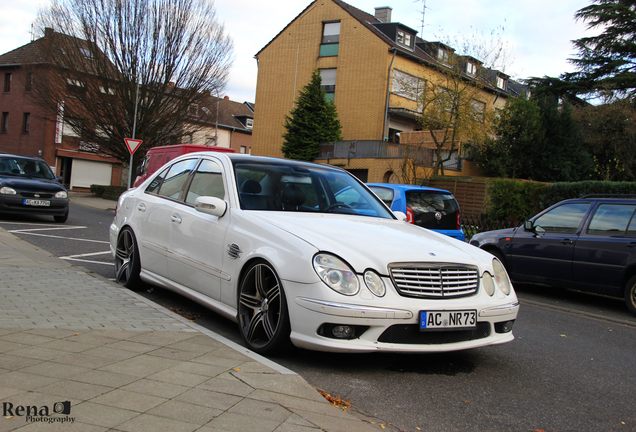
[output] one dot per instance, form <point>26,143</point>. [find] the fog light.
<point>504,327</point>
<point>342,332</point>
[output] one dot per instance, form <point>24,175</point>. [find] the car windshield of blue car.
<point>18,167</point>
<point>304,188</point>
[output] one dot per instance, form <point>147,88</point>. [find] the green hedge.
<point>108,192</point>
<point>512,201</point>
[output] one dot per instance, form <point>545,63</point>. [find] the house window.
<point>193,110</point>
<point>5,122</point>
<point>501,83</point>
<point>471,68</point>
<point>209,141</point>
<point>328,77</point>
<point>249,123</point>
<point>7,82</point>
<point>28,83</point>
<point>404,38</point>
<point>243,149</point>
<point>330,39</point>
<point>26,119</point>
<point>408,86</point>
<point>68,131</point>
<point>478,110</point>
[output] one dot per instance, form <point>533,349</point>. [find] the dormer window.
<point>193,110</point>
<point>249,124</point>
<point>501,83</point>
<point>404,38</point>
<point>471,68</point>
<point>443,55</point>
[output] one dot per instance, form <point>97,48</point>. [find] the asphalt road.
<point>570,367</point>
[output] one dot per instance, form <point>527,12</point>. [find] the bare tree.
<point>111,59</point>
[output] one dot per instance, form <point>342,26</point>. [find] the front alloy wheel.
<point>127,262</point>
<point>262,310</point>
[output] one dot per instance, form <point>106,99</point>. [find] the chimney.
<point>48,32</point>
<point>383,14</point>
<point>226,98</point>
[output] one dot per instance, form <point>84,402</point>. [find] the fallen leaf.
<point>563,336</point>
<point>382,426</point>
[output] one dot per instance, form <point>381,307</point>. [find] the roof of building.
<point>231,114</point>
<point>421,50</point>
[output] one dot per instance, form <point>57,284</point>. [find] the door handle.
<point>566,241</point>
<point>141,207</point>
<point>631,245</point>
<point>175,218</point>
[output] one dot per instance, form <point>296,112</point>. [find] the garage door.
<point>86,173</point>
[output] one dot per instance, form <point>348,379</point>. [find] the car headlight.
<point>489,285</point>
<point>7,190</point>
<point>61,194</point>
<point>501,277</point>
<point>374,282</point>
<point>336,274</point>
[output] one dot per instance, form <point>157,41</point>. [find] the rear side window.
<point>433,210</point>
<point>173,182</point>
<point>611,219</point>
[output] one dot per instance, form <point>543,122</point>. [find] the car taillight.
<point>410,216</point>
<point>459,221</point>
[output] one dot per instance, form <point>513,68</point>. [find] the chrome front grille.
<point>434,280</point>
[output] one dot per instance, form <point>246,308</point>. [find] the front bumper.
<point>14,204</point>
<point>395,328</point>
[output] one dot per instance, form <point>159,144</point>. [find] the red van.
<point>158,156</point>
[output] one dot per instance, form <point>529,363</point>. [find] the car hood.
<point>488,237</point>
<point>354,237</point>
<point>31,185</point>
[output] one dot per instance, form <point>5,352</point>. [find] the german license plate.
<point>39,203</point>
<point>445,320</point>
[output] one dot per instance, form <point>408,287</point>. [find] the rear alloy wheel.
<point>630,295</point>
<point>262,310</point>
<point>127,262</point>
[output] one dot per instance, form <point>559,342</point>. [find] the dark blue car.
<point>587,243</point>
<point>435,209</point>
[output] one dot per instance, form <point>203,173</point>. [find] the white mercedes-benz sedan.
<point>306,253</point>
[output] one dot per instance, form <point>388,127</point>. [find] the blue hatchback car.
<point>435,209</point>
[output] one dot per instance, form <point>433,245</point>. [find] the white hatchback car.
<point>266,243</point>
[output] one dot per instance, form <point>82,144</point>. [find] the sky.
<point>537,33</point>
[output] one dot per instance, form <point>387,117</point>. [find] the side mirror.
<point>139,170</point>
<point>210,205</point>
<point>528,225</point>
<point>59,179</point>
<point>400,215</point>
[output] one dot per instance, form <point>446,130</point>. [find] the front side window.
<point>207,181</point>
<point>330,39</point>
<point>611,219</point>
<point>563,219</point>
<point>176,177</point>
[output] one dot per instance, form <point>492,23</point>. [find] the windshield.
<point>304,188</point>
<point>19,167</point>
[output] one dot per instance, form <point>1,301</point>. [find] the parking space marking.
<point>37,232</point>
<point>80,256</point>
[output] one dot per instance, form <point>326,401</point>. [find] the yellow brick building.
<point>365,61</point>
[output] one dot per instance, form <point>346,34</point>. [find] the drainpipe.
<point>388,93</point>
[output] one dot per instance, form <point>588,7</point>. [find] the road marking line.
<point>79,256</point>
<point>59,237</point>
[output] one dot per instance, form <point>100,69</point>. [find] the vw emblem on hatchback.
<point>36,195</point>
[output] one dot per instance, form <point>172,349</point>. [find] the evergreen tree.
<point>607,62</point>
<point>313,120</point>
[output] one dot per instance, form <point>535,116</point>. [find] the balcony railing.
<point>359,149</point>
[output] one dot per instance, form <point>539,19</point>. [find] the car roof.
<point>4,155</point>
<point>252,158</point>
<point>407,187</point>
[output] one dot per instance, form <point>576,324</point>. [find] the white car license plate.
<point>443,320</point>
<point>39,203</point>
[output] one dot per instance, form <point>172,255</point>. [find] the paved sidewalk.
<point>87,355</point>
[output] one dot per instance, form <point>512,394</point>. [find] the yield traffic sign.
<point>132,144</point>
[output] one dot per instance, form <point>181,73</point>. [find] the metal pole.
<point>130,164</point>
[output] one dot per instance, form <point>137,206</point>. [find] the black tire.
<point>262,310</point>
<point>630,294</point>
<point>61,219</point>
<point>127,262</point>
